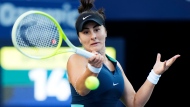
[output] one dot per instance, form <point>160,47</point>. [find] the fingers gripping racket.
<point>38,35</point>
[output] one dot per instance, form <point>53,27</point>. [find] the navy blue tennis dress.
<point>107,94</point>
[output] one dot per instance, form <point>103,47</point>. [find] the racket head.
<point>37,35</point>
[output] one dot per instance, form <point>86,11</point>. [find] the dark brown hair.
<point>87,6</point>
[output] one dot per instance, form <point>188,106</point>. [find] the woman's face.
<point>93,36</point>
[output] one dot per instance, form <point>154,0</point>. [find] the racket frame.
<point>62,36</point>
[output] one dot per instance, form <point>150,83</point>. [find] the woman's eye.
<point>85,32</point>
<point>97,30</point>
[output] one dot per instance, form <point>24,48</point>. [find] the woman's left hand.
<point>160,67</point>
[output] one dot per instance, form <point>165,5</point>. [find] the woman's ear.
<point>79,40</point>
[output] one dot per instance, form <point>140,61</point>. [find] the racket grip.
<point>83,52</point>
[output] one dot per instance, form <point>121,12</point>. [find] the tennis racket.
<point>38,35</point>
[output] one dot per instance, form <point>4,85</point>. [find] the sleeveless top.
<point>107,94</point>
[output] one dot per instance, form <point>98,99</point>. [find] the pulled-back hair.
<point>87,6</point>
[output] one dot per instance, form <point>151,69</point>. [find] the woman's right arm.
<point>78,72</point>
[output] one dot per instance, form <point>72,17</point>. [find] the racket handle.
<point>83,52</point>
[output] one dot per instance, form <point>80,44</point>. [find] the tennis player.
<point>114,85</point>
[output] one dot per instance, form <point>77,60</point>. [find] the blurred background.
<point>137,31</point>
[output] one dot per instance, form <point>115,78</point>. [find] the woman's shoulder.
<point>75,58</point>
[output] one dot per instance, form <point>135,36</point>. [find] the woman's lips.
<point>93,44</point>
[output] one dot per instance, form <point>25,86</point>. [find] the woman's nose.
<point>93,35</point>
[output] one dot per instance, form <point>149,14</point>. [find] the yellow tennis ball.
<point>92,83</point>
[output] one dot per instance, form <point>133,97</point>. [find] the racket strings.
<point>37,35</point>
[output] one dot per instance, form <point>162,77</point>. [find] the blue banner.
<point>63,11</point>
<point>123,10</point>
